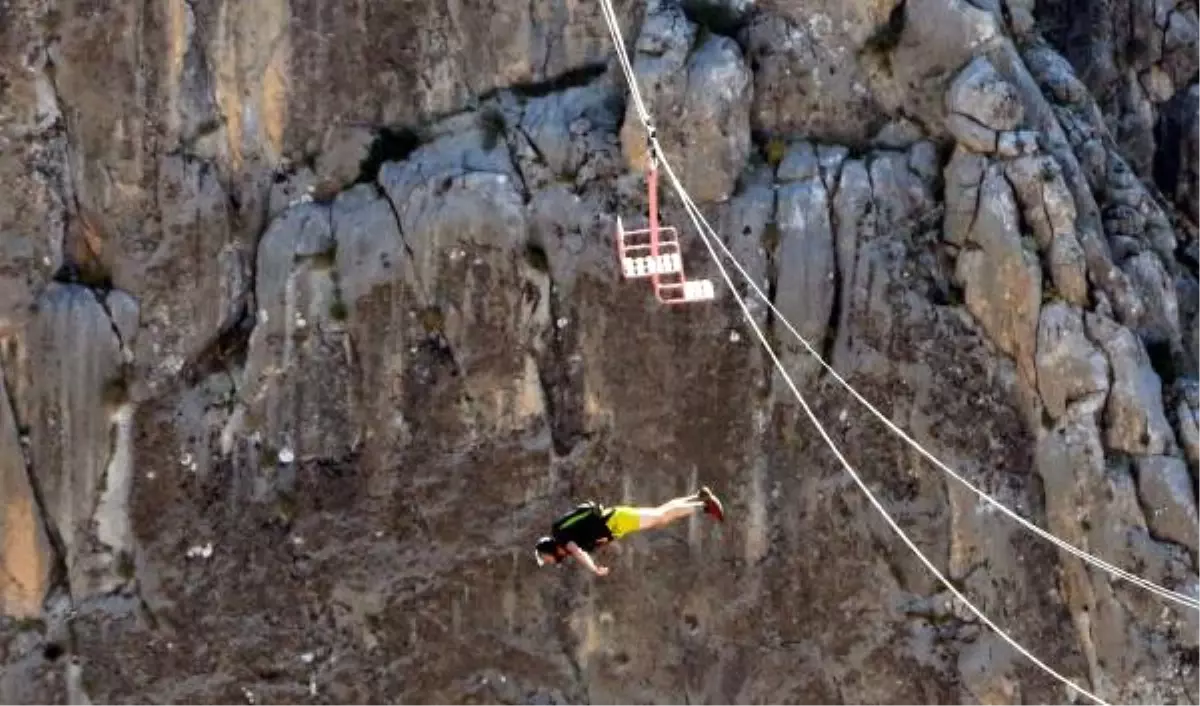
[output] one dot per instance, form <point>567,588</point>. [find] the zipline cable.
<point>1174,596</point>
<point>694,215</point>
<point>705,227</point>
<point>850,469</point>
<point>1167,593</point>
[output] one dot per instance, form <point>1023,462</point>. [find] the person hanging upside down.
<point>591,525</point>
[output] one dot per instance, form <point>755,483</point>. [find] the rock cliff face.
<point>310,322</point>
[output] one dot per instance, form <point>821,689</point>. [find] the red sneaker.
<point>712,506</point>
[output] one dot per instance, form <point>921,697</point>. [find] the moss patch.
<point>338,311</point>
<point>432,320</point>
<point>774,151</point>
<point>770,237</point>
<point>126,569</point>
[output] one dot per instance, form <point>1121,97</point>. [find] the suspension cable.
<point>706,231</point>
<point>705,227</point>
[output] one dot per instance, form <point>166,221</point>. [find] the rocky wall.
<point>312,321</point>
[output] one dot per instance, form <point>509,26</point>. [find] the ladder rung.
<point>662,231</point>
<point>668,248</point>
<point>665,235</point>
<point>698,290</point>
<point>651,265</point>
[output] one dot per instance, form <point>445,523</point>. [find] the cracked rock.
<point>799,162</point>
<point>906,193</point>
<point>972,135</point>
<point>28,559</point>
<point>1016,143</point>
<point>1069,365</point>
<point>898,134</point>
<point>963,176</point>
<point>72,416</point>
<point>1001,280</point>
<point>1165,490</point>
<point>1092,502</point>
<point>1160,317</point>
<point>1177,160</point>
<point>746,220</point>
<point>982,96</point>
<point>1048,207</point>
<point>1134,419</point>
<point>296,260</point>
<point>1187,419</point>
<point>852,201</point>
<point>1046,203</point>
<point>369,247</point>
<point>569,133</point>
<point>805,257</point>
<point>125,313</point>
<point>708,94</point>
<point>447,332</point>
<point>1068,268</point>
<point>457,195</point>
<point>192,277</point>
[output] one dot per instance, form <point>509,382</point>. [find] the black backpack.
<point>584,525</point>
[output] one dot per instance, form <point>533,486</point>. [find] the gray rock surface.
<point>79,451</point>
<point>1105,516</point>
<point>192,277</point>
<point>1165,490</point>
<point>1132,57</point>
<point>750,226</point>
<point>1069,366</point>
<point>1067,263</point>
<point>1161,323</point>
<point>794,90</point>
<point>296,337</point>
<point>981,95</point>
<point>1046,202</point>
<point>707,91</point>
<point>983,112</point>
<point>1187,420</point>
<point>329,325</point>
<point>570,134</point>
<point>1176,165</point>
<point>963,176</point>
<point>806,280</point>
<point>1001,278</point>
<point>1134,419</point>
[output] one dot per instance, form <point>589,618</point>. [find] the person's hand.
<point>602,571</point>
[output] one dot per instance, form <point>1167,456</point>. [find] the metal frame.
<point>663,264</point>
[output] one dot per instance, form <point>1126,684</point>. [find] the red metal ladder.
<point>654,252</point>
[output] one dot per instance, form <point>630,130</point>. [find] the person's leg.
<point>671,511</point>
<point>626,519</point>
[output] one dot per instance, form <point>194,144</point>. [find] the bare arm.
<point>586,559</point>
